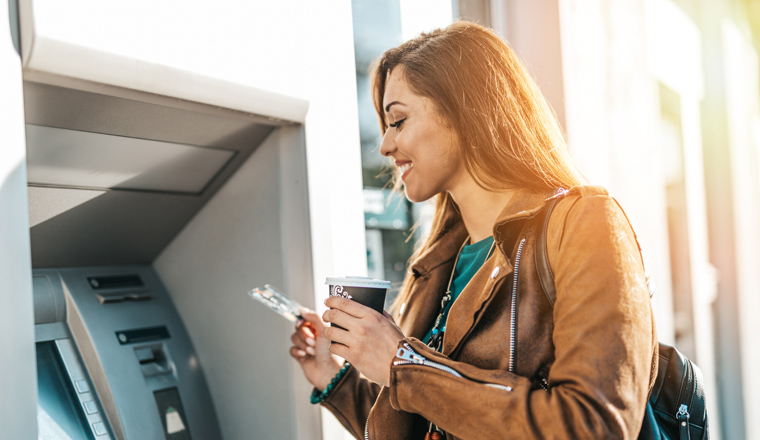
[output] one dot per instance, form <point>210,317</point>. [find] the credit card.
<point>284,306</point>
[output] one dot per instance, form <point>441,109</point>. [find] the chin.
<point>416,196</point>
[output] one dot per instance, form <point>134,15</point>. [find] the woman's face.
<point>420,143</point>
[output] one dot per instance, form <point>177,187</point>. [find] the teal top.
<point>471,258</point>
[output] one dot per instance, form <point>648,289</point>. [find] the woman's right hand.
<point>312,351</point>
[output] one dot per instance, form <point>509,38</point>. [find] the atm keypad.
<point>90,407</point>
<point>82,386</point>
<point>99,428</point>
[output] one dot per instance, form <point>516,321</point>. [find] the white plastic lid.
<point>358,282</point>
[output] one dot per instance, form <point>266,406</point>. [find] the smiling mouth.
<point>405,169</point>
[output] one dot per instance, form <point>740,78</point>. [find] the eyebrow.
<point>388,107</point>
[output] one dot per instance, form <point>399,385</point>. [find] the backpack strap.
<point>545,274</point>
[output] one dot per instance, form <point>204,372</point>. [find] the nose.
<point>388,146</point>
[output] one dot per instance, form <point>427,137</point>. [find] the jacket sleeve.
<point>351,401</point>
<point>604,342</point>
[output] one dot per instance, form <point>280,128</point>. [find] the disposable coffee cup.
<point>364,290</point>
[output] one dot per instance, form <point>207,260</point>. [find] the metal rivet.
<point>683,423</point>
<point>495,272</point>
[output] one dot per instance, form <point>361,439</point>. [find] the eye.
<point>397,124</point>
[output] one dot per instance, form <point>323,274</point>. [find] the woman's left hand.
<point>369,341</point>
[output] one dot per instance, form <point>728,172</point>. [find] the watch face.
<point>278,302</point>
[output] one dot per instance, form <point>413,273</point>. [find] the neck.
<point>479,208</point>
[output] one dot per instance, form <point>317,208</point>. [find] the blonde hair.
<point>508,135</point>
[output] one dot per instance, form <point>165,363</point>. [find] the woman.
<point>479,352</point>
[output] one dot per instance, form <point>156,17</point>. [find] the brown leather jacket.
<point>595,351</point>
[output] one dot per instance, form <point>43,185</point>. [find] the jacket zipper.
<point>513,326</point>
<point>409,356</point>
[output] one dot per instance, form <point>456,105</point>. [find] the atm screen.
<point>59,414</point>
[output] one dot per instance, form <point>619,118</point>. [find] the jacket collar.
<point>524,204</point>
<point>445,248</point>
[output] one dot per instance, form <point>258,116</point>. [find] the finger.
<point>339,350</point>
<point>298,341</point>
<point>306,331</point>
<point>308,328</point>
<point>312,317</point>
<point>297,354</point>
<point>340,318</point>
<point>308,351</point>
<point>353,308</point>
<point>338,335</point>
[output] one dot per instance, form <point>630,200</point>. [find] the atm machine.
<point>114,359</point>
<point>156,199</point>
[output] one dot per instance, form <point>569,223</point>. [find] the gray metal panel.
<point>126,392</point>
<point>72,158</point>
<point>297,259</point>
<point>49,303</point>
<point>80,227</point>
<point>140,115</point>
<point>254,231</point>
<point>18,399</point>
<point>116,227</point>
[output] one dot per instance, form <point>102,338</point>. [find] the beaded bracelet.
<point>319,397</point>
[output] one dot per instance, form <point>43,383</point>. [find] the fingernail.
<point>311,341</point>
<point>326,300</point>
<point>301,353</point>
<point>310,350</point>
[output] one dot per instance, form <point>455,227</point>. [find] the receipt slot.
<point>123,369</point>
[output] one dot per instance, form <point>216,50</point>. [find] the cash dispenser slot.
<point>115,282</point>
<point>154,360</point>
<point>142,335</point>
<point>119,288</point>
<point>116,297</point>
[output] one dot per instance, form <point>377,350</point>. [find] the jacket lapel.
<point>431,271</point>
<point>495,272</point>
<point>468,307</point>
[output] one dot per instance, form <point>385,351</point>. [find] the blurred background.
<point>659,100</point>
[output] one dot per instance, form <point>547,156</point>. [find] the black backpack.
<point>676,407</point>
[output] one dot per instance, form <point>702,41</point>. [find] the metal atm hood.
<point>122,152</point>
